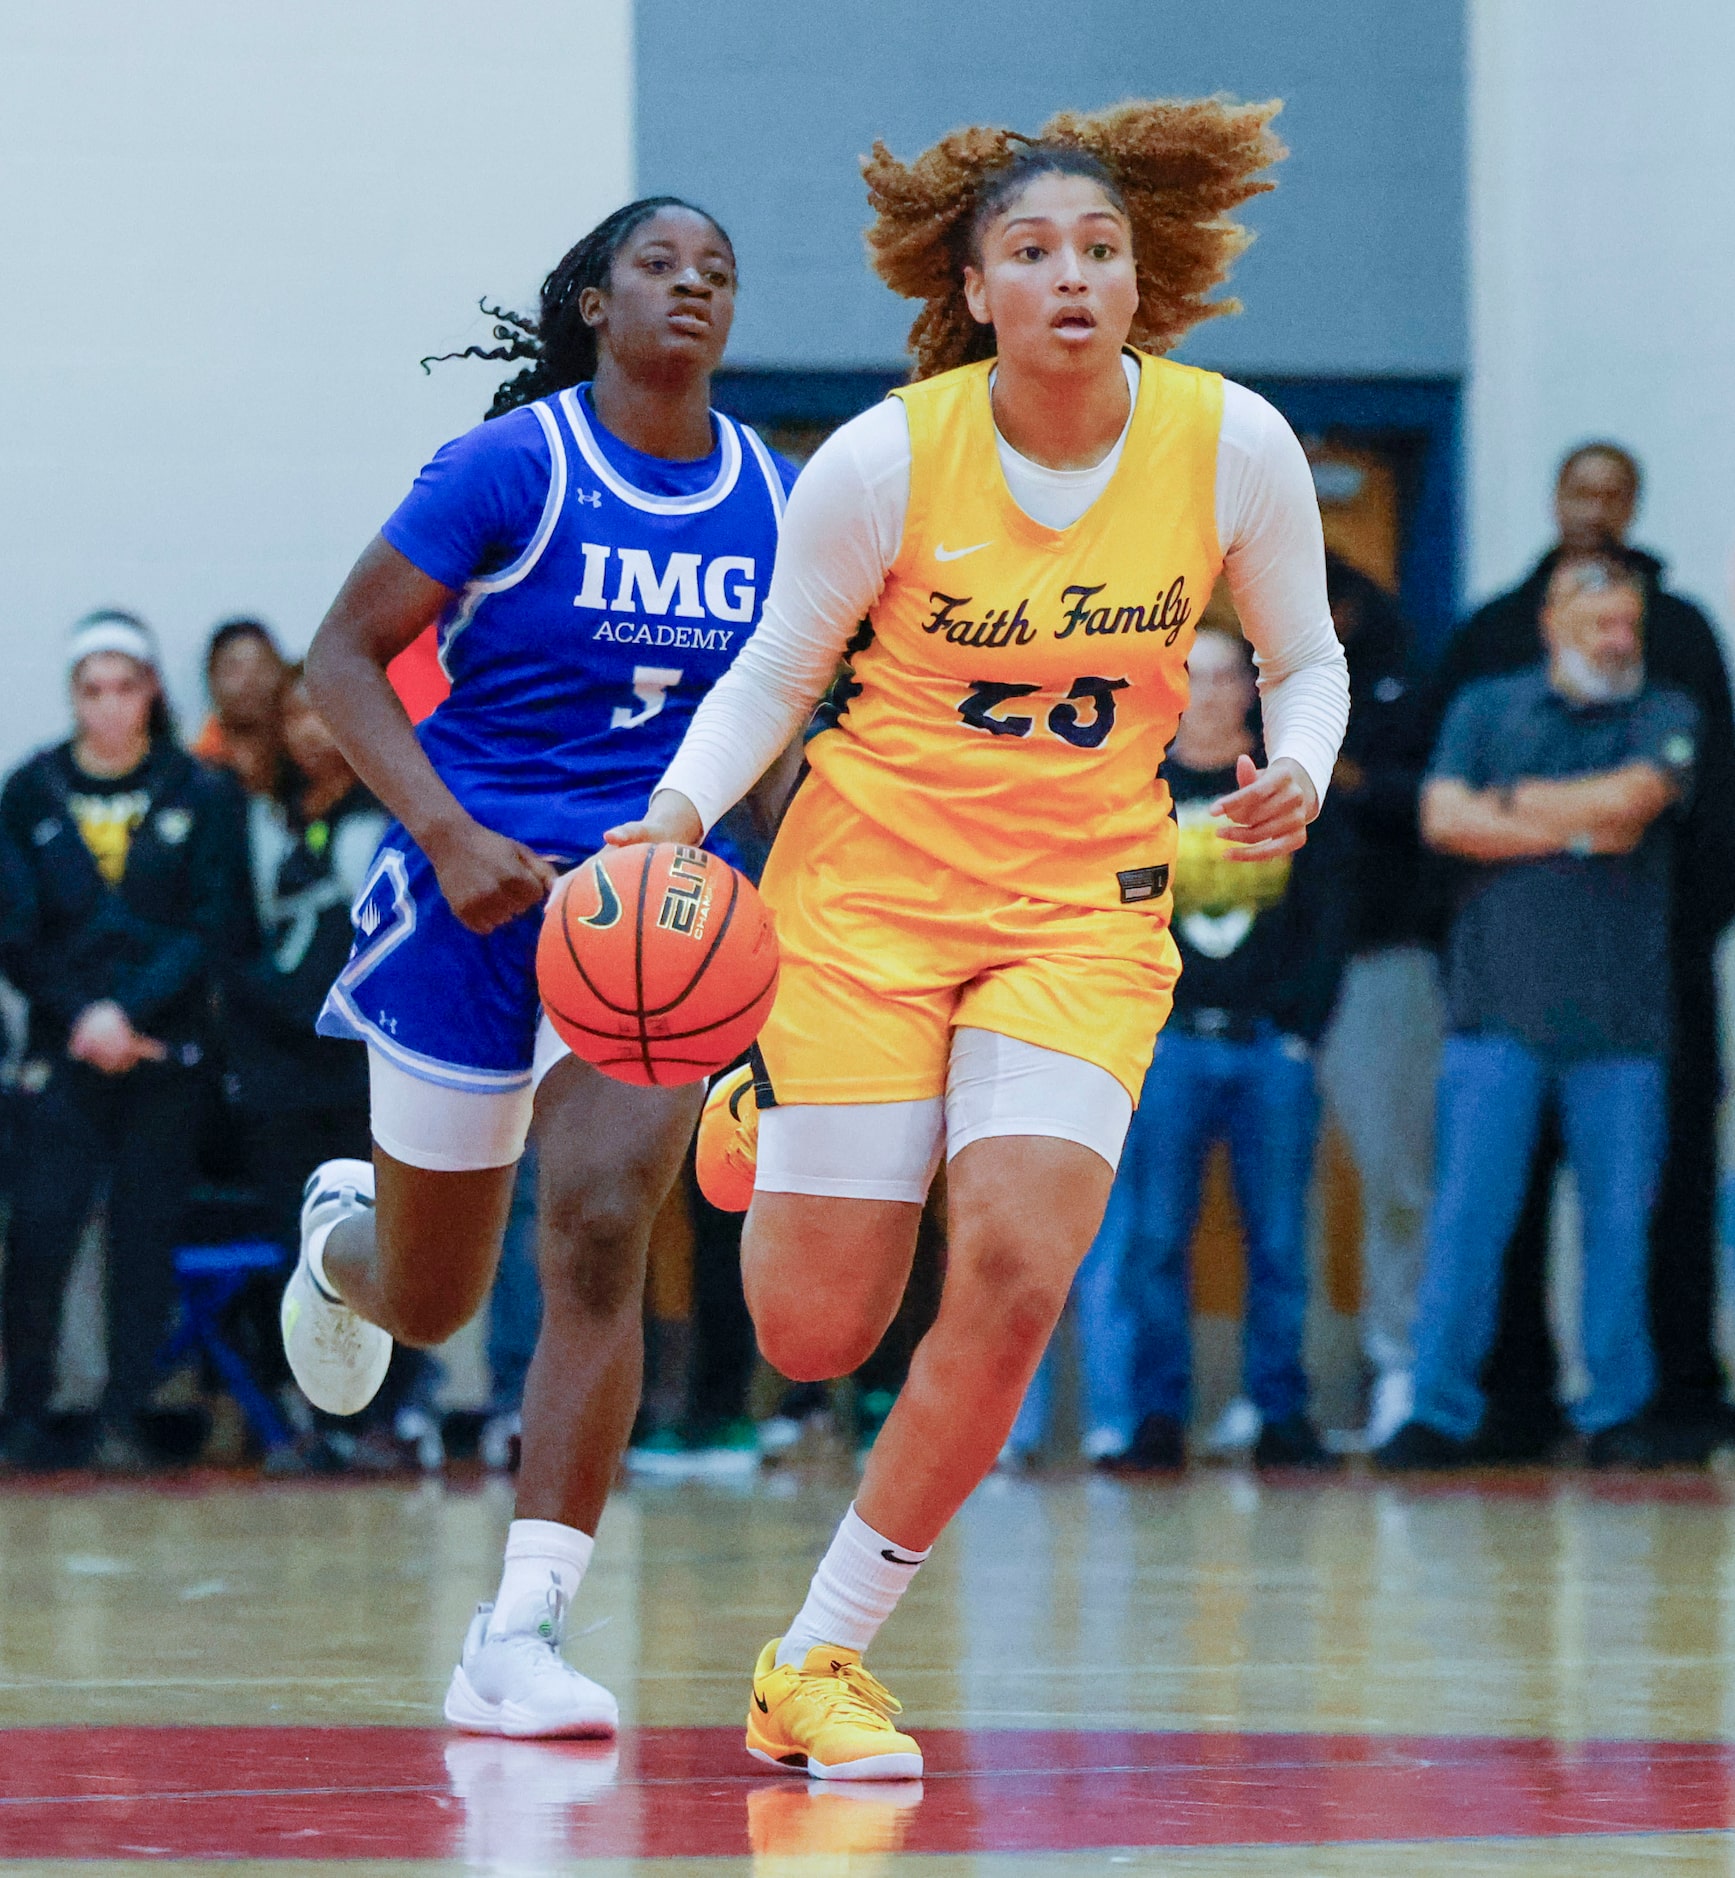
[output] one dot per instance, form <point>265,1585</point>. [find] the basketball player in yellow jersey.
<point>971,887</point>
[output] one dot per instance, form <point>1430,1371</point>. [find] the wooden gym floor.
<point>1226,1676</point>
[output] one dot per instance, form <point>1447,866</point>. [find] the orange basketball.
<point>657,964</point>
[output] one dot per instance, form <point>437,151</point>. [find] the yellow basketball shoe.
<point>727,1150</point>
<point>830,1718</point>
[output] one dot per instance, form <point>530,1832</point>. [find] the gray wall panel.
<point>761,108</point>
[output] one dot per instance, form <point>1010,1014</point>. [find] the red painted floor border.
<point>219,1793</point>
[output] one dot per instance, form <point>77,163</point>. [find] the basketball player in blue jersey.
<point>594,557</point>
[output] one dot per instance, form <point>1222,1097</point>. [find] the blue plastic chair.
<point>209,1276</point>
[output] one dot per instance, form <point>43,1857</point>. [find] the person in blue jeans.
<point>1560,786</point>
<point>1261,946</point>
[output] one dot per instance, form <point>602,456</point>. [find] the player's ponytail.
<point>556,337</point>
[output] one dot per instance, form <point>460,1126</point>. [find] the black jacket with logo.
<point>152,938</point>
<point>305,875</point>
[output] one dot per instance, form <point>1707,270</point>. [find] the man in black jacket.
<point>1596,496</point>
<point>1380,1057</point>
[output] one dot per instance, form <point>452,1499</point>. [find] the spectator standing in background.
<point>1381,1055</point>
<point>245,675</point>
<point>135,854</point>
<point>1556,785</point>
<point>17,929</point>
<point>302,1098</point>
<point>1595,499</point>
<point>1261,951</point>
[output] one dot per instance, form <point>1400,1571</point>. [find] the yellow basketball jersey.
<point>1020,684</point>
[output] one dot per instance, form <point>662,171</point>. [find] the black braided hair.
<point>556,336</point>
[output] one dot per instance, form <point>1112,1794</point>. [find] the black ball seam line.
<point>700,1065</point>
<point>627,1010</point>
<point>673,1036</point>
<point>704,964</point>
<point>590,984</point>
<point>639,963</point>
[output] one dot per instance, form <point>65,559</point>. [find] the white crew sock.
<point>855,1590</point>
<point>545,1564</point>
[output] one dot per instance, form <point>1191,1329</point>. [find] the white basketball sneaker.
<point>339,1358</point>
<point>1393,1402</point>
<point>520,1685</point>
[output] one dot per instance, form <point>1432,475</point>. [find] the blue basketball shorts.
<point>456,1038</point>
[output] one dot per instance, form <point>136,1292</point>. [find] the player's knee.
<point>800,1343</point>
<point>593,1247</point>
<point>1018,1298</point>
<point>424,1321</point>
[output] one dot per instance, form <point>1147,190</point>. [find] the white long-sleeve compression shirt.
<point>842,532</point>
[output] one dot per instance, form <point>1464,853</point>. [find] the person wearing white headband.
<point>111,631</point>
<point>135,866</point>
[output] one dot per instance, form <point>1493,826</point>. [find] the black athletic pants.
<point>136,1134</point>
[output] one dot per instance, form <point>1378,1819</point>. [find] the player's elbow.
<point>1646,794</point>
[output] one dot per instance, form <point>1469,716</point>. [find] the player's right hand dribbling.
<point>486,878</point>
<point>670,817</point>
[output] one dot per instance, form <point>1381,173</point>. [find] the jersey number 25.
<point>1065,720</point>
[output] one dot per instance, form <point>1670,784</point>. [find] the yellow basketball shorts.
<point>886,951</point>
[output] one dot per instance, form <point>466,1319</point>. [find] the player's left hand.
<point>1268,813</point>
<point>670,817</point>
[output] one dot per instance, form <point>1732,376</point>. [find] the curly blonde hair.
<point>1175,166</point>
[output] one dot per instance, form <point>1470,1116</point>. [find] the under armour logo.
<point>592,496</point>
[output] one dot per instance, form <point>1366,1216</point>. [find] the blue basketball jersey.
<point>577,666</point>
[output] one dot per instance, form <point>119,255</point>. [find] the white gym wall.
<point>1602,272</point>
<point>230,231</point>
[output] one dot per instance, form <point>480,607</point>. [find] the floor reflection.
<point>504,1808</point>
<point>1094,1669</point>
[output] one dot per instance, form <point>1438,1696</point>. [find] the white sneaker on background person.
<point>501,1435</point>
<point>1102,1444</point>
<point>518,1684</point>
<point>419,1430</point>
<point>1236,1428</point>
<point>1390,1404</point>
<point>337,1357</point>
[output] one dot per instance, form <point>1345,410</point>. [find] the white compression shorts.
<point>454,1131</point>
<point>889,1150</point>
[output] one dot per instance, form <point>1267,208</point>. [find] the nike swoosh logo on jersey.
<point>957,554</point>
<point>610,909</point>
<point>886,1551</point>
<point>760,1703</point>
